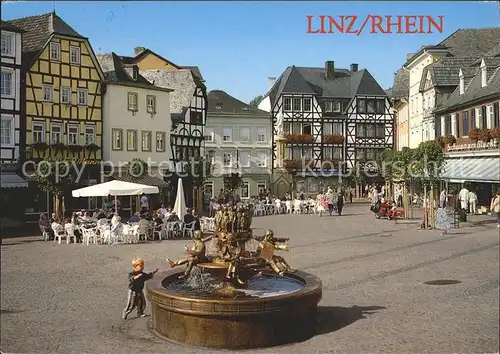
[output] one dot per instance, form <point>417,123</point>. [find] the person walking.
<point>340,203</point>
<point>442,198</point>
<point>463,196</point>
<point>495,206</point>
<point>472,202</point>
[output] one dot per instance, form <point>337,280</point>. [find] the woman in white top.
<point>320,204</point>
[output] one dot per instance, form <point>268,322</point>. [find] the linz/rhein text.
<point>352,24</point>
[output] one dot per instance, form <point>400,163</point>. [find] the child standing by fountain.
<point>136,298</point>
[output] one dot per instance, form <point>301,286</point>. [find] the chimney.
<point>271,81</point>
<point>329,69</point>
<point>354,67</point>
<point>139,50</point>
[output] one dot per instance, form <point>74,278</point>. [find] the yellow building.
<point>63,94</point>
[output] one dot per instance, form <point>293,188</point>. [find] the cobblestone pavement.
<point>68,298</point>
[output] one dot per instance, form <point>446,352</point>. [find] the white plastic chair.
<point>70,233</point>
<point>188,229</point>
<point>89,236</point>
<point>58,235</point>
<point>288,205</point>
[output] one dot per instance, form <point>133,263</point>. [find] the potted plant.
<point>485,135</point>
<point>300,138</point>
<point>450,140</point>
<point>441,141</point>
<point>92,147</point>
<point>333,139</point>
<point>74,148</point>
<point>295,164</point>
<point>474,134</point>
<point>40,146</point>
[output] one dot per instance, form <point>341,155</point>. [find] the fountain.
<point>231,297</point>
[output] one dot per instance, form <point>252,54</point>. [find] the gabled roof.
<point>182,82</point>
<point>444,72</point>
<point>9,27</point>
<point>133,60</point>
<point>220,102</point>
<point>494,52</point>
<point>38,30</point>
<point>473,93</point>
<point>401,86</point>
<point>116,71</point>
<point>465,42</point>
<point>344,84</point>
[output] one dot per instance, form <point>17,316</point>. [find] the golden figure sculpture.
<point>197,253</point>
<point>267,248</point>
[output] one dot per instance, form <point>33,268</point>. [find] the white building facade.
<point>11,93</point>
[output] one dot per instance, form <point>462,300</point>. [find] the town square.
<point>318,179</point>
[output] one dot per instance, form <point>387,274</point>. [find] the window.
<point>89,135</point>
<point>209,134</point>
<point>261,187</point>
<point>360,154</point>
<point>117,136</point>
<point>261,160</point>
<point>7,83</point>
<point>370,106</point>
<point>7,131</point>
<point>369,131</point>
<point>379,130</point>
<point>496,115</point>
<point>151,104</point>
<point>465,123</point>
<point>380,106</point>
<point>227,160</point>
<point>307,104</point>
<point>47,93</point>
<point>484,118</point>
<point>208,191</point>
<point>362,106</point>
<point>244,159</point>
<point>261,135</point>
<point>131,140</point>
<point>38,132</point>
<point>327,129</point>
<point>245,190</point>
<point>74,55</point>
<point>55,133</point>
<point>491,120</point>
<point>55,51</point>
<point>146,140</point>
<point>196,117</point>
<point>227,134</point>
<point>307,128</point>
<point>286,128</point>
<point>245,134</point>
<point>132,101</point>
<point>66,95</point>
<point>370,155</point>
<point>328,107</point>
<point>473,119</point>
<point>287,104</point>
<point>7,44</point>
<point>338,129</point>
<point>296,128</point>
<point>73,135</point>
<point>336,106</point>
<point>447,125</point>
<point>297,104</point>
<point>211,156</point>
<point>479,118</point>
<point>82,96</point>
<point>160,141</point>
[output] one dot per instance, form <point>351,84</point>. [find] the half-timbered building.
<point>188,105</point>
<point>63,97</point>
<point>326,121</point>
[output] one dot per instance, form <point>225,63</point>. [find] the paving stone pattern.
<point>68,298</point>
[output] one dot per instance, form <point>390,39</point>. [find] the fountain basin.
<point>239,323</point>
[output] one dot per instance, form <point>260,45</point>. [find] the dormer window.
<point>462,82</point>
<point>484,77</point>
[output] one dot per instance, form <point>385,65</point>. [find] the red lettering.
<point>376,23</point>
<point>430,21</point>
<point>390,24</point>
<point>421,24</point>
<point>410,23</point>
<point>333,22</point>
<point>309,25</point>
<point>353,19</point>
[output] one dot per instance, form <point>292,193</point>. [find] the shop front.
<point>14,190</point>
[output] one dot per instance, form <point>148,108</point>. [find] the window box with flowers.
<point>495,133</point>
<point>295,164</point>
<point>40,146</point>
<point>474,134</point>
<point>74,148</point>
<point>485,135</point>
<point>300,138</point>
<point>92,147</point>
<point>333,139</point>
<point>58,146</point>
<point>450,140</point>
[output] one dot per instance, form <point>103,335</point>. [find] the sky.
<point>238,45</point>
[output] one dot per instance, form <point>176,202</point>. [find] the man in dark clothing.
<point>136,298</point>
<point>44,225</point>
<point>340,203</point>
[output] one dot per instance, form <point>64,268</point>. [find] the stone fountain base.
<point>234,323</point>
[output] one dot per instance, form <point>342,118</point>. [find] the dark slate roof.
<point>464,42</point>
<point>9,27</point>
<point>221,102</point>
<point>145,179</point>
<point>473,90</point>
<point>494,52</point>
<point>444,72</point>
<point>38,30</point>
<point>303,80</point>
<point>401,86</point>
<point>116,71</point>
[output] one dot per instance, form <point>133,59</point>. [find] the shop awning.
<point>11,180</point>
<point>477,169</point>
<point>147,180</point>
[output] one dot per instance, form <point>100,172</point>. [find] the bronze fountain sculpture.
<point>242,319</point>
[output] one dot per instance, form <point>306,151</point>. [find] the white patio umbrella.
<point>114,188</point>
<point>180,201</point>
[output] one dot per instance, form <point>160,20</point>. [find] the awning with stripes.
<point>11,180</point>
<point>475,169</point>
